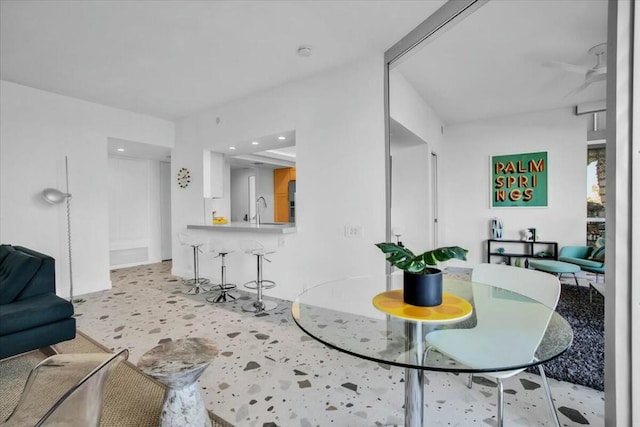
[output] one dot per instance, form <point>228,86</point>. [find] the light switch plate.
<point>353,231</point>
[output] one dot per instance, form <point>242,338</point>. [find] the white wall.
<point>412,186</point>
<point>240,192</point>
<point>135,232</point>
<point>409,109</point>
<point>465,179</point>
<point>264,188</point>
<point>411,196</point>
<point>165,210</point>
<point>339,121</point>
<point>239,196</point>
<point>38,129</point>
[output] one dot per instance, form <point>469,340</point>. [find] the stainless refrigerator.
<point>292,201</point>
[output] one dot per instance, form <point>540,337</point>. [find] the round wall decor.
<point>184,177</point>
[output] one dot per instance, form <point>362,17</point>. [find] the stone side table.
<point>178,365</point>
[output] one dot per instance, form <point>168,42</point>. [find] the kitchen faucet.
<point>264,204</point>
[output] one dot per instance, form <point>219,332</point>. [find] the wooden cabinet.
<point>281,179</point>
<point>281,208</point>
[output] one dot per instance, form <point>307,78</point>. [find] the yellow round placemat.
<point>452,309</point>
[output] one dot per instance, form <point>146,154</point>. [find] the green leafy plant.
<point>404,259</point>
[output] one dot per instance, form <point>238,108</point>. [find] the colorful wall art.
<point>519,180</point>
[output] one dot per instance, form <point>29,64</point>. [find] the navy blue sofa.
<point>32,316</point>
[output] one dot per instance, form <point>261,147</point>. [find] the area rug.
<point>13,375</point>
<point>583,362</point>
<point>132,399</point>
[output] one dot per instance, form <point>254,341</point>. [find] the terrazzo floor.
<point>269,373</point>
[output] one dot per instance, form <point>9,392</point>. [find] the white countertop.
<point>269,228</point>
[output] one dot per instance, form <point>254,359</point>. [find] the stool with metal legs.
<point>224,288</point>
<point>197,282</point>
<point>259,305</point>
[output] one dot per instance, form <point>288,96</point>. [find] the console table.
<point>521,249</point>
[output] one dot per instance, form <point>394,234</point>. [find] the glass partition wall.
<point>412,135</point>
<point>558,63</point>
<point>479,79</point>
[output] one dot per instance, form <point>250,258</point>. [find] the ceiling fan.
<point>591,75</point>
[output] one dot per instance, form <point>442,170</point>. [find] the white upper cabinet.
<point>213,174</point>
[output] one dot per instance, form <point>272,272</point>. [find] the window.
<point>596,192</point>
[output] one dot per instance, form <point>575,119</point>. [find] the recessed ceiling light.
<point>281,137</point>
<point>232,148</point>
<point>304,51</point>
<point>255,143</point>
<point>120,149</point>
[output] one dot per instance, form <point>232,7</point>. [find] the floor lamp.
<point>55,197</point>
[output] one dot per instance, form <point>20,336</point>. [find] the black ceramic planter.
<point>424,290</point>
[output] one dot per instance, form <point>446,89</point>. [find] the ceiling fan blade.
<point>596,77</point>
<point>588,81</point>
<point>579,89</point>
<point>566,67</point>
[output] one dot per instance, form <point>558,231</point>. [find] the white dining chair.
<point>483,345</point>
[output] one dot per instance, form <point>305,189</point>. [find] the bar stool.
<point>258,250</point>
<point>197,282</point>
<point>219,250</point>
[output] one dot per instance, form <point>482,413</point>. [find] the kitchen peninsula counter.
<point>268,228</point>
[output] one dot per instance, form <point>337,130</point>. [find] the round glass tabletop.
<point>505,330</point>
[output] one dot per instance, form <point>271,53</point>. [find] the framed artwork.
<point>519,180</point>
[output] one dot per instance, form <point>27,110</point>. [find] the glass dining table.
<point>341,314</point>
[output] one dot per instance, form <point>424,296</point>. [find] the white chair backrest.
<point>216,246</point>
<point>249,246</point>
<point>537,285</point>
<point>187,239</point>
<point>183,238</point>
<point>503,318</point>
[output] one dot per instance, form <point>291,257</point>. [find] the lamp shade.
<point>54,196</point>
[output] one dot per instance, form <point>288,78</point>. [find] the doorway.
<point>165,211</point>
<point>434,199</point>
<point>139,184</point>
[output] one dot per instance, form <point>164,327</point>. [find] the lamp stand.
<point>68,200</point>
